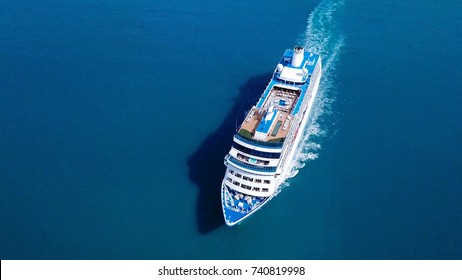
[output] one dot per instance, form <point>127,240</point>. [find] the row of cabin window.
<point>257,189</point>
<point>248,178</point>
<point>255,152</point>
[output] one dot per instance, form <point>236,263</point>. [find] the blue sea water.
<point>115,117</point>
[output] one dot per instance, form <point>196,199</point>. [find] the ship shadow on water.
<point>206,168</point>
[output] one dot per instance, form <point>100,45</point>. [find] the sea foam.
<point>322,36</point>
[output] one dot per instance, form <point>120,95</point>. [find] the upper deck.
<point>282,103</point>
<point>296,74</point>
<point>270,120</point>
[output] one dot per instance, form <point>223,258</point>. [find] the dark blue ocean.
<point>115,117</point>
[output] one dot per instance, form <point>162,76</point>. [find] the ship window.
<point>252,160</point>
<point>231,171</point>
<point>255,152</point>
<point>267,181</point>
<point>248,187</point>
<point>256,189</point>
<point>247,178</point>
<point>236,183</point>
<point>238,175</point>
<point>265,189</point>
<point>257,181</point>
<point>229,179</point>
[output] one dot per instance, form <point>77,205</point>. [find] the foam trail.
<point>323,37</point>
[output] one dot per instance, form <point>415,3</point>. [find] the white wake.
<point>322,36</point>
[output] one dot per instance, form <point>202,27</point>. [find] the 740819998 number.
<point>284,270</point>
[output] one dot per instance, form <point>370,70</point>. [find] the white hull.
<point>287,166</point>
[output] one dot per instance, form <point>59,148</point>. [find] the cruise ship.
<point>264,144</point>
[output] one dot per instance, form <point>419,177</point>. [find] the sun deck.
<point>282,101</point>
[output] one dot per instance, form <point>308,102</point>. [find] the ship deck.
<point>281,99</point>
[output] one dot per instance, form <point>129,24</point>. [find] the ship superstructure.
<point>265,142</point>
